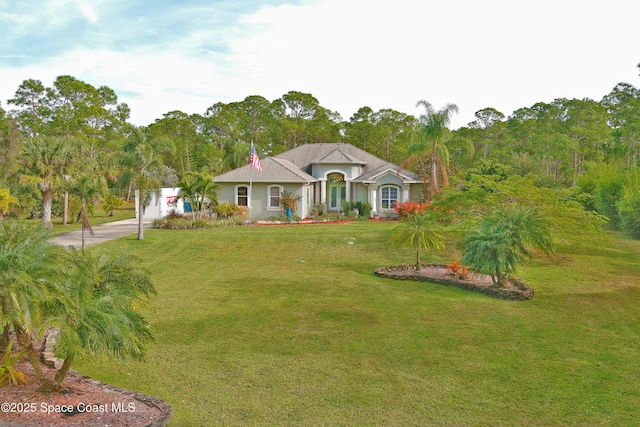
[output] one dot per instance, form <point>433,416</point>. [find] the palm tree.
<point>239,155</point>
<point>102,316</point>
<point>87,188</point>
<point>419,232</point>
<point>207,190</point>
<point>198,186</point>
<point>6,199</point>
<point>189,190</point>
<point>430,138</point>
<point>43,162</point>
<point>142,155</point>
<point>490,249</point>
<point>28,275</point>
<point>503,240</point>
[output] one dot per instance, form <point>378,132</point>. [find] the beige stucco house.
<point>325,173</point>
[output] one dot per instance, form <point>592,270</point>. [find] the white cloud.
<point>349,54</point>
<point>87,11</point>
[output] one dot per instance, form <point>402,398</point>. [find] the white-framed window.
<point>242,195</point>
<point>273,193</point>
<point>388,197</point>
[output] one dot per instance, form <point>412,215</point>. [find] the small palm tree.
<point>102,315</point>
<point>6,199</point>
<point>490,249</point>
<point>110,202</point>
<point>198,186</point>
<point>505,239</point>
<point>28,276</point>
<point>207,189</point>
<point>189,190</point>
<point>419,232</point>
<point>87,188</point>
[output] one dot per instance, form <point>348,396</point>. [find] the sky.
<point>165,55</point>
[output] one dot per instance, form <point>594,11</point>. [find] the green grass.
<point>287,325</point>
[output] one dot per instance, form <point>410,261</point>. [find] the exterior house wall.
<point>260,209</point>
<point>416,192</point>
<point>349,171</point>
<point>361,192</point>
<point>308,200</point>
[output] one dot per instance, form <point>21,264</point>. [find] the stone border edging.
<point>166,412</point>
<point>523,293</point>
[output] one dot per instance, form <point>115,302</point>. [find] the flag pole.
<point>250,181</point>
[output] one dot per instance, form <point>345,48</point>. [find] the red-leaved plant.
<point>405,209</point>
<point>458,270</point>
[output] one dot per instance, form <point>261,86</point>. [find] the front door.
<point>337,193</point>
<point>337,189</point>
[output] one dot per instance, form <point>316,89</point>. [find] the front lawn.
<point>287,325</point>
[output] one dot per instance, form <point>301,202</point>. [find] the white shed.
<point>163,206</point>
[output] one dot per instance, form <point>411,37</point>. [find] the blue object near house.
<point>187,206</point>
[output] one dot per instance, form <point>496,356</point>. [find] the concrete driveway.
<point>102,233</point>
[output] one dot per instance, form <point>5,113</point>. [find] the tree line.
<point>52,136</point>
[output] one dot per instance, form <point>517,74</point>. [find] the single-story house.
<point>323,173</point>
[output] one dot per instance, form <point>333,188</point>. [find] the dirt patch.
<point>514,290</point>
<point>82,402</point>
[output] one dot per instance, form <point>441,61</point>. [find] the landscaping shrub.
<point>406,209</point>
<point>364,208</point>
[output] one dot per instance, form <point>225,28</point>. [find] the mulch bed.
<point>82,402</point>
<point>514,290</point>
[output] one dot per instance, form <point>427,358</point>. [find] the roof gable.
<point>337,156</point>
<point>388,168</point>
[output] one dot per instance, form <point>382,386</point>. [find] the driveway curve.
<point>101,233</point>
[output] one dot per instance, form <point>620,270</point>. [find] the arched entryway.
<point>336,190</point>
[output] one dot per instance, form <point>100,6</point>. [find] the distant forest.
<point>50,136</point>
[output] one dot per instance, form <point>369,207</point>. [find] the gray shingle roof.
<point>372,174</point>
<point>295,165</point>
<point>304,155</point>
<point>273,170</point>
<point>337,156</point>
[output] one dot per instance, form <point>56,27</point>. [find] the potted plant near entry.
<point>288,201</point>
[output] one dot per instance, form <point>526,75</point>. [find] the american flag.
<point>255,161</point>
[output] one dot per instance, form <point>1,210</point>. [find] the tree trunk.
<point>61,374</point>
<point>5,338</point>
<point>129,190</point>
<point>418,259</point>
<point>26,343</point>
<point>140,217</point>
<point>65,211</point>
<point>444,175</point>
<point>47,202</point>
<point>434,178</point>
